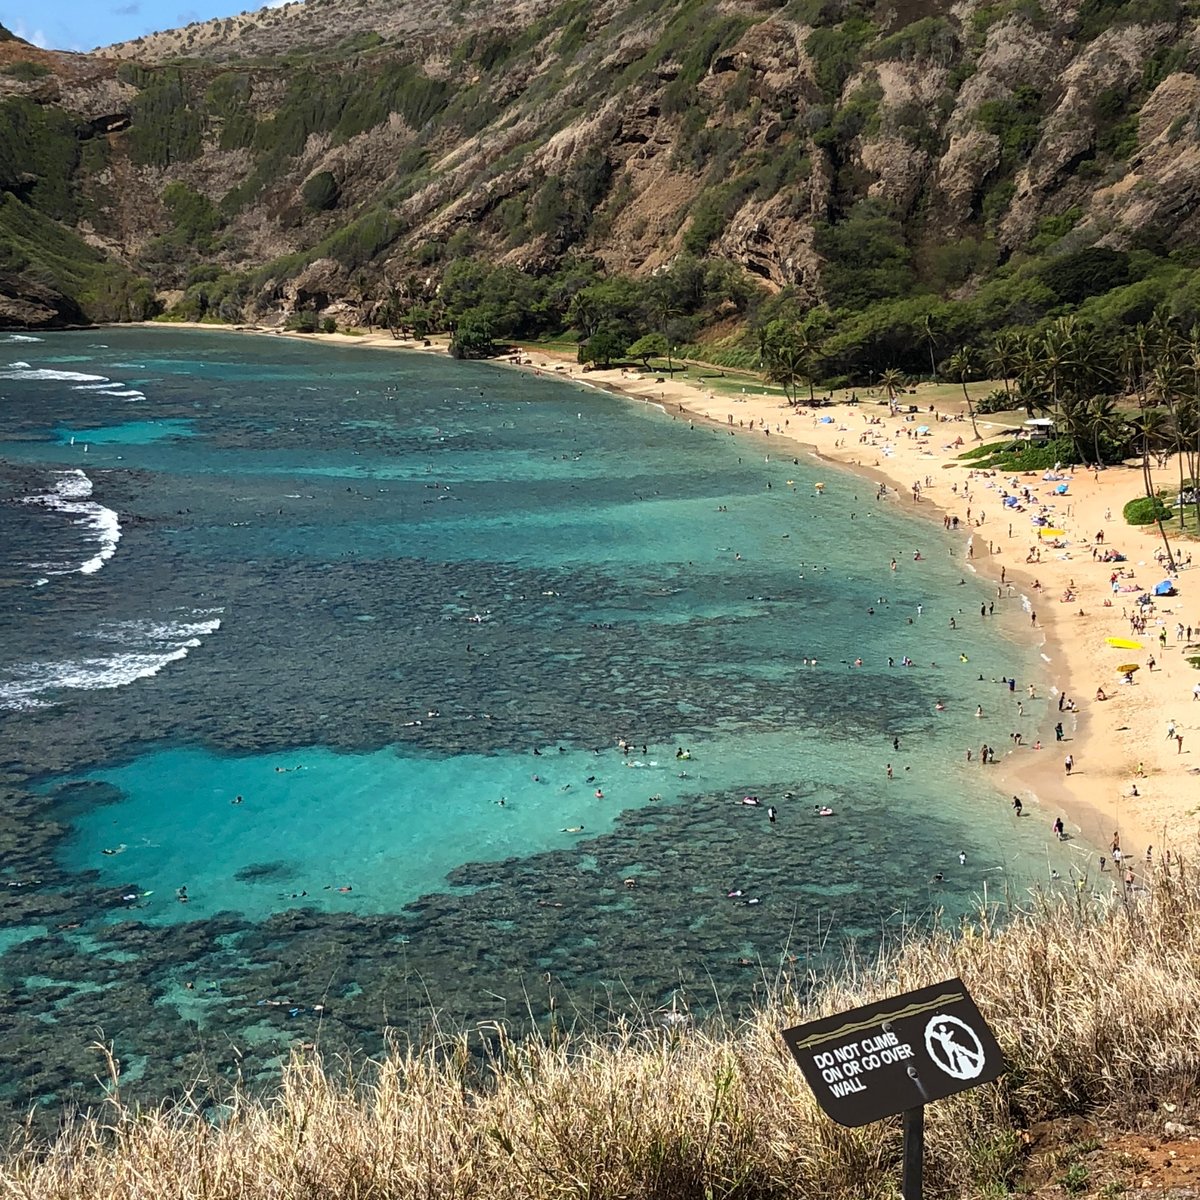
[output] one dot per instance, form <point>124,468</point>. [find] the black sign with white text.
<point>900,1053</point>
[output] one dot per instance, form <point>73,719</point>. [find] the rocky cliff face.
<point>309,153</point>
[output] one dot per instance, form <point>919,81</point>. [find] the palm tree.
<point>1192,352</point>
<point>927,329</point>
<point>1151,429</point>
<point>811,347</point>
<point>1061,357</point>
<point>892,379</point>
<point>1004,357</point>
<point>1167,383</point>
<point>785,363</point>
<point>662,306</point>
<point>1104,423</point>
<point>961,365</point>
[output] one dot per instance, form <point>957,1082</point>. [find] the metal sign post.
<point>914,1153</point>
<point>896,1056</point>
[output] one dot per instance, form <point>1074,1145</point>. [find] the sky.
<point>86,24</point>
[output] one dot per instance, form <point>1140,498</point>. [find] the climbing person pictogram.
<point>954,1046</point>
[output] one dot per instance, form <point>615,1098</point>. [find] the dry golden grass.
<point>1096,1003</point>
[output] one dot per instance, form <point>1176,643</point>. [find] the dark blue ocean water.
<point>341,642</point>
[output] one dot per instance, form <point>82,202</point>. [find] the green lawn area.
<point>1190,526</point>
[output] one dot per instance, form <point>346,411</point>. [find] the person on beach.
<point>1059,828</point>
<point>1017,805</point>
<point>1069,763</point>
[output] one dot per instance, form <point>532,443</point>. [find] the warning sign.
<point>898,1054</point>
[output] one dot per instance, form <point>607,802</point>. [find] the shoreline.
<point>1096,797</point>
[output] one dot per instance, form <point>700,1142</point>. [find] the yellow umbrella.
<point>1053,532</point>
<point>1127,668</point>
<point>1124,643</point>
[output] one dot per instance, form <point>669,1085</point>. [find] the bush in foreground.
<point>1095,1001</point>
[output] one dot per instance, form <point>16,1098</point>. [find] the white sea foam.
<point>12,338</point>
<point>141,650</point>
<point>100,385</point>
<point>71,495</point>
<point>22,370</point>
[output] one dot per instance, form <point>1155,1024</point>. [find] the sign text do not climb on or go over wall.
<point>896,1055</point>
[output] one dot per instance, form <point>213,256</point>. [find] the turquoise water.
<point>128,433</point>
<point>375,595</point>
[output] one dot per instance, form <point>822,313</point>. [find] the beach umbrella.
<point>1124,643</point>
<point>1127,668</point>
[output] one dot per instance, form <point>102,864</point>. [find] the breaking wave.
<point>71,495</point>
<point>135,650</point>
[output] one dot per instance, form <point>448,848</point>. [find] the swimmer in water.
<point>571,829</point>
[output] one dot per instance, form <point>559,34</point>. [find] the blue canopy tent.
<point>1166,588</point>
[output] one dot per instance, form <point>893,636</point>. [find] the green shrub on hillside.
<point>931,38</point>
<point>1016,122</point>
<point>320,191</point>
<point>866,256</point>
<point>25,71</point>
<point>39,152</point>
<point>227,102</point>
<point>836,53</point>
<point>1051,229</point>
<point>712,212</point>
<point>1090,272</point>
<point>193,215</point>
<point>358,243</point>
<point>166,127</point>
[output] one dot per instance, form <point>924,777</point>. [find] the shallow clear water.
<point>359,590</point>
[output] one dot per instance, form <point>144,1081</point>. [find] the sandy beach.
<point>1130,775</point>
